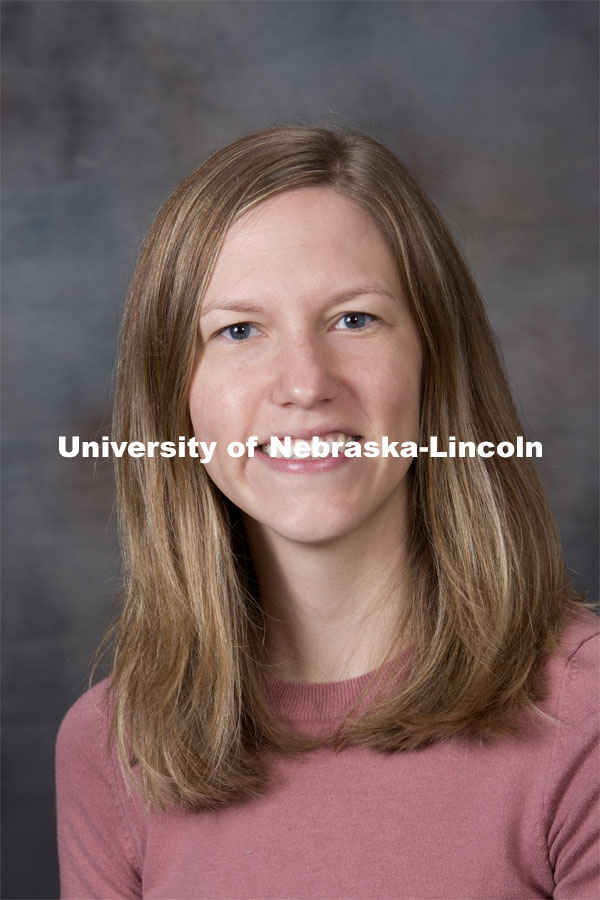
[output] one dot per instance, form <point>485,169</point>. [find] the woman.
<point>342,676</point>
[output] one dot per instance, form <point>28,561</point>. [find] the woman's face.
<point>304,331</point>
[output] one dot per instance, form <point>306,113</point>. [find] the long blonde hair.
<point>489,590</point>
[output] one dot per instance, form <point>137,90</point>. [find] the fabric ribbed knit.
<point>458,820</point>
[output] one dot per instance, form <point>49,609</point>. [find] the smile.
<point>315,447</point>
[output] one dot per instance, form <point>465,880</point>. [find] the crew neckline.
<point>321,700</point>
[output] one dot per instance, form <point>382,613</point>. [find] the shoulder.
<point>573,671</point>
<point>96,829</point>
<point>573,700</point>
<point>581,627</point>
<point>579,671</point>
<point>570,795</point>
<point>83,732</point>
<point>88,787</point>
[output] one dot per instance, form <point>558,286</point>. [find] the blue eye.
<point>238,332</point>
<point>354,321</point>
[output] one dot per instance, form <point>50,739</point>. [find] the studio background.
<point>107,106</point>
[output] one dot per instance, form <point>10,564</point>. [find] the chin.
<point>314,529</point>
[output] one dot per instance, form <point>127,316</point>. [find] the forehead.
<point>313,236</point>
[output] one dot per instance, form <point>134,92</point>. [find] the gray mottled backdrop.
<point>107,105</point>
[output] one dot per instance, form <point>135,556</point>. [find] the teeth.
<point>333,438</point>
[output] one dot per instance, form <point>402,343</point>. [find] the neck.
<point>331,610</point>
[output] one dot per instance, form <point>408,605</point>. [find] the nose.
<point>303,374</point>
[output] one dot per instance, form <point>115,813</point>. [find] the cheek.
<point>409,377</point>
<point>221,401</point>
<point>204,411</point>
<point>199,409</point>
<point>399,390</point>
<point>208,411</point>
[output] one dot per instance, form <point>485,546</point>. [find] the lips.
<point>280,447</point>
<point>306,434</point>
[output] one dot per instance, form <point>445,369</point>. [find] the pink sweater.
<point>455,821</point>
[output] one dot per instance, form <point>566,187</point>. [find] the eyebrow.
<point>253,306</point>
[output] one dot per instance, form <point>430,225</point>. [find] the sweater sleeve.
<point>96,854</point>
<point>572,803</point>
